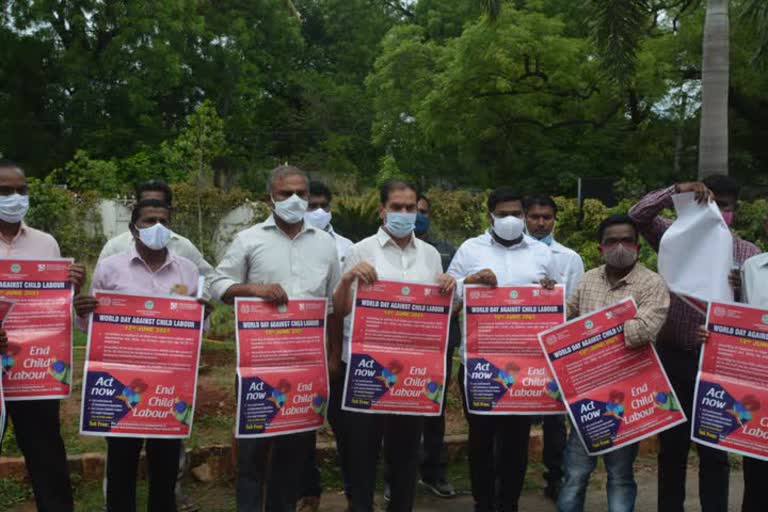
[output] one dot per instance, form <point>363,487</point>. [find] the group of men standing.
<point>297,253</point>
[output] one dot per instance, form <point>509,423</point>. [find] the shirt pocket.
<point>314,280</point>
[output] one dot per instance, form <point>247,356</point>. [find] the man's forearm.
<point>651,205</point>
<point>236,290</point>
<point>342,298</point>
<point>335,333</point>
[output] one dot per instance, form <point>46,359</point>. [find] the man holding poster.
<point>36,421</point>
<point>394,253</point>
<point>278,260</point>
<point>619,278</point>
<point>501,257</point>
<point>147,269</point>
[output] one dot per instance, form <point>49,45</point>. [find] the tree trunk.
<point>713,136</point>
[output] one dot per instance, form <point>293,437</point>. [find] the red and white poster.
<point>281,367</point>
<point>730,410</point>
<point>398,349</point>
<point>615,395</point>
<point>141,366</point>
<point>38,364</point>
<point>506,370</point>
<point>5,308</point>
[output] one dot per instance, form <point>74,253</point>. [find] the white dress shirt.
<point>305,266</point>
<point>570,266</point>
<point>343,244</point>
<point>755,277</point>
<point>527,262</point>
<point>416,262</point>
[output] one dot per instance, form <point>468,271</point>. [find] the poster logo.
<point>589,324</point>
<point>15,268</point>
<point>149,305</point>
<point>105,301</point>
<point>513,294</point>
<point>282,308</point>
<point>405,290</point>
<point>174,305</point>
<point>765,319</point>
<point>551,339</point>
<point>41,267</point>
<point>719,311</point>
<point>474,295</point>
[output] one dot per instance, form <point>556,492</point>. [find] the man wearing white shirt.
<point>319,215</point>
<point>540,221</point>
<point>503,256</point>
<point>393,253</point>
<point>755,293</point>
<point>280,258</point>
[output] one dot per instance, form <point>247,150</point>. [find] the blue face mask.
<point>422,224</point>
<point>547,239</point>
<point>400,225</point>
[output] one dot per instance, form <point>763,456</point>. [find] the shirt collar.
<point>270,223</point>
<point>136,257</point>
<point>23,228</point>
<point>628,279</point>
<point>523,244</point>
<point>384,238</point>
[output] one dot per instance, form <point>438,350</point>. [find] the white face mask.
<point>155,237</point>
<point>508,228</point>
<point>13,208</point>
<point>318,218</point>
<point>291,210</point>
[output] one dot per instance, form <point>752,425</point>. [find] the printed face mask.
<point>318,218</point>
<point>400,225</point>
<point>13,208</point>
<point>508,228</point>
<point>422,224</point>
<point>291,210</point>
<point>155,237</point>
<point>727,217</point>
<point>619,255</point>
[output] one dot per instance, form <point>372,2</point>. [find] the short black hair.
<point>392,185</point>
<point>545,201</point>
<point>155,185</point>
<point>422,197</point>
<point>502,195</point>
<point>614,220</point>
<point>723,185</point>
<point>5,163</point>
<point>318,188</point>
<point>147,203</point>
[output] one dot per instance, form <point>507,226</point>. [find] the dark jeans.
<point>401,435</point>
<point>162,468</point>
<point>509,435</point>
<point>36,424</point>
<point>267,476</point>
<point>555,436</point>
<point>310,483</point>
<point>714,469</point>
<point>755,477</point>
<point>434,458</point>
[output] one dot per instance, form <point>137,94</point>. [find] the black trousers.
<point>498,455</point>
<point>401,435</point>
<point>434,458</point>
<point>36,424</point>
<point>269,472</point>
<point>714,469</point>
<point>755,479</point>
<point>555,437</point>
<point>162,467</point>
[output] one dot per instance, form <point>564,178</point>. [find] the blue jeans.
<point>622,488</point>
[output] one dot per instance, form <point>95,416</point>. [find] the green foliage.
<point>73,219</point>
<point>617,28</point>
<point>356,216</point>
<point>83,173</point>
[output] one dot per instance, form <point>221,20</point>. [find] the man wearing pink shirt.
<point>147,269</point>
<point>35,422</point>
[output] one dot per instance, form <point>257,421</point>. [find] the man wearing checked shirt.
<point>279,258</point>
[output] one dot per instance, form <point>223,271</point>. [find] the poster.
<point>38,364</point>
<point>397,349</point>
<point>506,370</point>
<point>141,366</point>
<point>615,395</point>
<point>281,366</point>
<point>5,308</point>
<point>730,410</point>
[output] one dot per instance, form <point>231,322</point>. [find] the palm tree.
<point>617,28</point>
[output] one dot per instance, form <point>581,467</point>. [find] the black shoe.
<point>439,487</point>
<point>552,491</point>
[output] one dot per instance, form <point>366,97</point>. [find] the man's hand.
<point>363,271</point>
<point>446,283</point>
<point>734,278</point>
<point>334,367</point>
<point>77,276</point>
<point>273,293</point>
<point>549,284</point>
<point>702,334</point>
<point>701,193</point>
<point>485,276</point>
<point>85,305</point>
<point>207,305</point>
<point>3,342</point>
